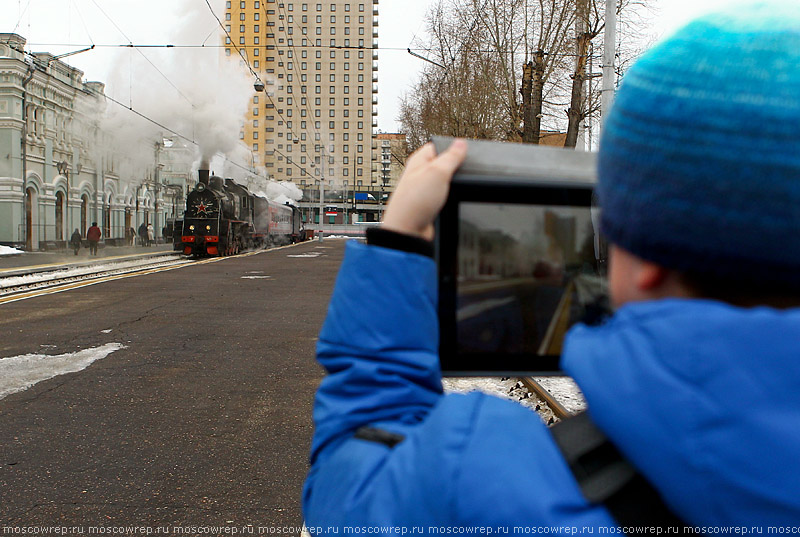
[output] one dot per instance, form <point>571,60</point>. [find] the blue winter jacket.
<point>702,397</point>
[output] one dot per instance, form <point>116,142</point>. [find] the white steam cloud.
<point>196,92</point>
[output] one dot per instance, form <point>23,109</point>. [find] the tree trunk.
<point>575,113</point>
<point>527,88</point>
<point>532,96</point>
<point>538,95</point>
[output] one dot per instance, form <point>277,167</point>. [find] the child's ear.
<point>650,276</point>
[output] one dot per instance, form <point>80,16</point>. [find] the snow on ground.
<point>79,271</point>
<point>309,254</point>
<point>6,250</point>
<point>562,388</point>
<point>506,388</point>
<point>565,391</point>
<point>18,373</point>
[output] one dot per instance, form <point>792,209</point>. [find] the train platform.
<point>32,262</point>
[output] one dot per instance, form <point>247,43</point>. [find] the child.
<point>695,378</point>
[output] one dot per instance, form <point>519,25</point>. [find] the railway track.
<point>20,286</point>
<point>559,410</point>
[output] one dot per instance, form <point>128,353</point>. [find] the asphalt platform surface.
<point>202,420</point>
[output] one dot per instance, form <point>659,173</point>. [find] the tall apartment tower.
<point>318,60</point>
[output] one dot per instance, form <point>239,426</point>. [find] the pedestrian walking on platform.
<point>93,236</point>
<point>151,235</point>
<point>143,234</point>
<point>75,241</point>
<point>693,382</point>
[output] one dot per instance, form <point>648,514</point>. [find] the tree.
<point>501,69</point>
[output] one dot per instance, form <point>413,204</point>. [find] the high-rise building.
<point>392,148</point>
<point>318,60</point>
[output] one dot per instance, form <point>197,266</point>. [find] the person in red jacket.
<point>93,236</point>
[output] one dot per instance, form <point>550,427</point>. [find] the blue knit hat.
<point>699,164</point>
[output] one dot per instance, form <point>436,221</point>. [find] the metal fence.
<point>350,230</point>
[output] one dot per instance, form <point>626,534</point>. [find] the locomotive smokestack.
<point>203,175</point>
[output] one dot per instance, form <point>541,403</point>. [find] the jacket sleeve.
<point>379,345</point>
<point>465,460</point>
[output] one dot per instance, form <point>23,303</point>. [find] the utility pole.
<point>157,187</point>
<point>321,198</point>
<point>609,56</point>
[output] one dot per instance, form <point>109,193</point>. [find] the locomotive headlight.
<point>208,228</point>
<point>191,228</point>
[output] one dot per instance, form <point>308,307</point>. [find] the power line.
<point>171,131</point>
<point>80,15</point>
<point>243,56</point>
<point>142,54</point>
<point>308,46</point>
<point>21,16</point>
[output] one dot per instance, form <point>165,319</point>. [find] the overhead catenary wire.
<point>129,107</point>
<point>243,56</point>
<point>246,60</point>
<point>309,46</point>
<point>143,55</point>
<point>21,16</point>
<point>83,21</point>
<point>168,129</point>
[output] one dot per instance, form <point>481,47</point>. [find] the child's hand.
<point>423,189</point>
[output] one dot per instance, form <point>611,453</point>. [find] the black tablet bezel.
<point>571,185</point>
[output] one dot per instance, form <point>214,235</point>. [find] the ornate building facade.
<point>58,173</point>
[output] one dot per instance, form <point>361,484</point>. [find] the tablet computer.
<point>519,256</point>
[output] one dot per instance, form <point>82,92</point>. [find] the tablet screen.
<point>525,274</point>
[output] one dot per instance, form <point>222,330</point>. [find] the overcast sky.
<point>60,26</point>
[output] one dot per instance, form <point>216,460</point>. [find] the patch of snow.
<point>18,373</point>
<point>565,391</point>
<point>80,271</point>
<point>7,250</point>
<point>505,388</point>
<point>256,277</point>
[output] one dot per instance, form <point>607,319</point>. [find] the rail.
<point>539,391</point>
<point>17,286</point>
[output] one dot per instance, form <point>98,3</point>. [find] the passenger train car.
<point>224,218</point>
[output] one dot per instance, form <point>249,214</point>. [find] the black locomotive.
<point>224,218</point>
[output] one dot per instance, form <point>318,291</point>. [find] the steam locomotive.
<point>224,218</point>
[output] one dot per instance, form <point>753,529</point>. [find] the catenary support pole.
<point>609,55</point>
